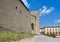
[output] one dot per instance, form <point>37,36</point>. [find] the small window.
<point>35,18</point>
<point>20,11</point>
<point>16,7</point>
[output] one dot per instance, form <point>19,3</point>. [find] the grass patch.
<point>13,36</point>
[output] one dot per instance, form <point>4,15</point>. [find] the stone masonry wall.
<point>35,15</point>
<point>14,16</point>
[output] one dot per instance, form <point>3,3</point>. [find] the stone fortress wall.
<point>14,16</point>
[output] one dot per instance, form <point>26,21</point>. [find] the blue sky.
<point>49,11</point>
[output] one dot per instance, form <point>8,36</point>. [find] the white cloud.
<point>45,10</point>
<point>57,21</point>
<point>26,3</point>
<point>53,25</point>
<point>56,25</point>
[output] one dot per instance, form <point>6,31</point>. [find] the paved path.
<point>41,38</point>
<point>46,39</point>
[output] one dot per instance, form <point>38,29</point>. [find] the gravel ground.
<point>46,39</point>
<point>40,38</point>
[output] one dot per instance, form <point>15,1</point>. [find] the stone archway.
<point>32,25</point>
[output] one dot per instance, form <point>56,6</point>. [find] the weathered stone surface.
<point>35,21</point>
<point>14,16</point>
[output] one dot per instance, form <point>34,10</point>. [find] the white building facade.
<point>55,30</point>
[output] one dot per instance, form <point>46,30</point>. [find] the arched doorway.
<point>32,25</point>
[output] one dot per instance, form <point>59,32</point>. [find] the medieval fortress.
<point>15,16</point>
